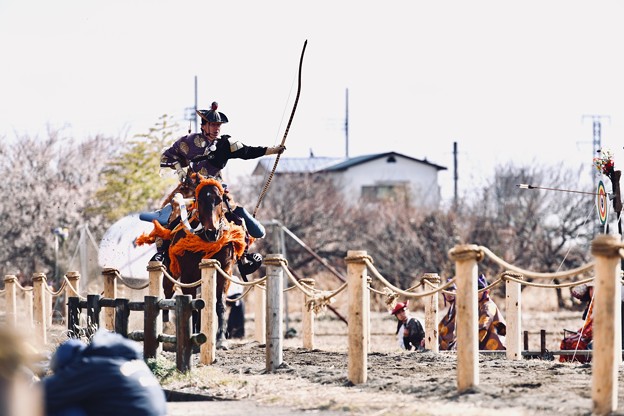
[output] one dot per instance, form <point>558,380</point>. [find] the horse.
<point>206,235</point>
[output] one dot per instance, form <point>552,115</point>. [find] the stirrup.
<point>249,263</point>
<point>162,215</point>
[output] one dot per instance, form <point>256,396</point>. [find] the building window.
<point>395,192</point>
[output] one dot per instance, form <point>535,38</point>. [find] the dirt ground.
<point>399,382</point>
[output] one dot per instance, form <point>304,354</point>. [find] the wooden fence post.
<point>93,311</point>
<point>49,306</point>
<point>358,340</point>
<point>73,279</point>
<point>122,316</point>
<point>11,300</point>
<point>260,313</point>
<point>367,311</point>
<point>307,317</point>
<point>274,311</point>
<point>151,345</point>
<point>29,307</point>
<point>466,257</point>
<point>606,324</point>
<point>110,292</point>
<point>209,324</point>
<point>156,276</point>
<point>431,314</point>
<point>513,310</point>
<point>183,332</point>
<point>39,307</point>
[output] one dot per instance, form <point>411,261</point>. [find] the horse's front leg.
<point>221,330</point>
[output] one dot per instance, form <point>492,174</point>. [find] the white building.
<point>370,178</point>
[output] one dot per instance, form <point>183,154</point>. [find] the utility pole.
<point>347,124</point>
<point>455,176</point>
<point>191,112</point>
<point>596,148</point>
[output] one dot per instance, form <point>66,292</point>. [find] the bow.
<point>292,114</point>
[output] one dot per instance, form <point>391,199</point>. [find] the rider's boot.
<point>254,227</point>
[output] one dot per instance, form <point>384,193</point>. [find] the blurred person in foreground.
<point>410,333</point>
<point>20,395</point>
<point>106,377</point>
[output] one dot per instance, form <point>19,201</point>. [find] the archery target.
<point>602,203</point>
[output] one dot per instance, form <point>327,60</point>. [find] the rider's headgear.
<point>212,115</point>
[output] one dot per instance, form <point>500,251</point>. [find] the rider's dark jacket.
<point>198,145</point>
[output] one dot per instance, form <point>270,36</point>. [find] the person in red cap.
<point>410,333</point>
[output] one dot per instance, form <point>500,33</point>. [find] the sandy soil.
<point>399,382</point>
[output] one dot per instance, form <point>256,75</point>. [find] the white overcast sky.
<point>508,81</point>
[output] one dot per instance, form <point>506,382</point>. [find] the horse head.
<point>209,201</point>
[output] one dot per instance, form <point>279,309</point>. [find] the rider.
<point>207,153</point>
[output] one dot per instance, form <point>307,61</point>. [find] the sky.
<point>509,82</point>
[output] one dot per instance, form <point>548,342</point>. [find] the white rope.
<point>572,272</point>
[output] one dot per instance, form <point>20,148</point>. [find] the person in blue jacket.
<point>106,377</point>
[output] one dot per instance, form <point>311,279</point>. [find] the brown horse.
<point>211,236</point>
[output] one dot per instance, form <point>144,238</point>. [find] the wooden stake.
<point>358,339</point>
<point>465,257</point>
<point>209,324</point>
<point>110,292</point>
<point>274,311</point>
<point>39,310</point>
<point>11,300</point>
<point>606,324</point>
<point>432,314</point>
<point>308,318</point>
<point>260,313</point>
<point>513,310</point>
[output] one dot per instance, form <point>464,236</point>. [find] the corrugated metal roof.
<point>299,164</point>
<point>346,164</point>
<point>327,164</point>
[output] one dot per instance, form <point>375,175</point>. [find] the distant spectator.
<point>106,377</point>
<point>492,326</point>
<point>446,327</point>
<point>410,333</point>
<point>583,338</point>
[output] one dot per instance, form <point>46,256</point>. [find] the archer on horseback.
<point>207,153</point>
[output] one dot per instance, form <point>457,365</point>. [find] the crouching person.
<point>410,333</point>
<point>106,377</point>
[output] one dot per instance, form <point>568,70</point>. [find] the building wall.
<point>420,179</point>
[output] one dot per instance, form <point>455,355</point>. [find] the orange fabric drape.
<point>158,231</point>
<point>235,234</point>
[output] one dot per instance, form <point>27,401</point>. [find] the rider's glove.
<point>181,172</point>
<point>274,150</point>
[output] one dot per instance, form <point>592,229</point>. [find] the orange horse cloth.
<point>234,234</point>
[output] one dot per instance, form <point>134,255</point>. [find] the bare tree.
<point>535,229</point>
<point>47,183</point>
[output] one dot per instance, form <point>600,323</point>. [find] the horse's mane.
<point>208,182</point>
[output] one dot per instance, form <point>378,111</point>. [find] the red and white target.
<point>602,203</point>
